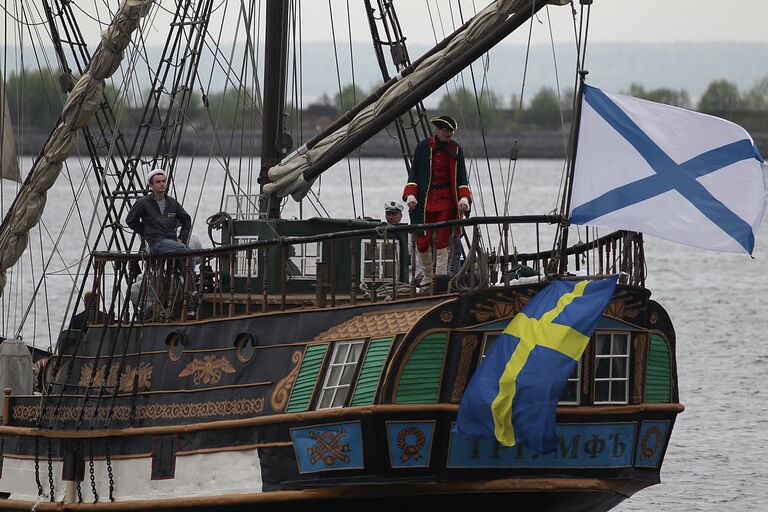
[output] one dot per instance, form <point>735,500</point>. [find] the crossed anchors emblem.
<point>328,447</point>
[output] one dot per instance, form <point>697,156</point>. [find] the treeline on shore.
<point>34,100</point>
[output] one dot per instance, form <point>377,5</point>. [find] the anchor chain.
<point>109,471</point>
<point>91,472</point>
<point>50,470</point>
<point>37,467</point>
<point>78,462</point>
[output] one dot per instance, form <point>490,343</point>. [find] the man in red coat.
<point>437,190</point>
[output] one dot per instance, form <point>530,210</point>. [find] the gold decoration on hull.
<point>208,370</point>
<point>374,325</point>
<point>127,376</point>
<point>468,345</point>
<point>284,385</point>
<point>328,448</point>
<point>172,411</point>
<point>500,306</point>
<point>411,450</point>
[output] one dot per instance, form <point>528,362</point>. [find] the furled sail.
<point>294,176</point>
<point>78,110</point>
<point>9,165</point>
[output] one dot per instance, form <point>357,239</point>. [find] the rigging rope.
<point>341,104</point>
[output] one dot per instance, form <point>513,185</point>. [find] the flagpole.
<point>566,203</point>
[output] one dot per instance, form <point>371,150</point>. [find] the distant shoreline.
<point>498,144</point>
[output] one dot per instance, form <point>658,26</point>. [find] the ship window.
<point>245,347</point>
<point>490,340</point>
<point>339,374</point>
<point>241,260</point>
<point>302,260</point>
<point>176,342</point>
<point>612,368</point>
<point>379,260</point>
<point>572,392</point>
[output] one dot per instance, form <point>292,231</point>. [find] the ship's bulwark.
<point>206,424</point>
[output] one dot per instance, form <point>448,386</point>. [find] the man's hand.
<point>411,202</point>
<point>463,204</point>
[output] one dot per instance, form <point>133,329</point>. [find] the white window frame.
<point>572,380</point>
<point>307,264</point>
<point>610,356</point>
<point>380,261</point>
<point>332,383</point>
<point>241,262</point>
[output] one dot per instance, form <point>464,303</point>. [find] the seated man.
<point>81,320</point>
<point>154,216</point>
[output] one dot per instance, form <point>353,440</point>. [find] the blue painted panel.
<point>582,445</point>
<point>650,445</point>
<point>410,443</point>
<point>328,447</point>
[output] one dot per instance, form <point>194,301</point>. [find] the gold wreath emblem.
<point>410,450</point>
<point>647,452</point>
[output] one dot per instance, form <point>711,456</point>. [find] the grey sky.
<point>611,20</point>
<point>425,20</point>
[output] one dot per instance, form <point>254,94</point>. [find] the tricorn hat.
<point>445,122</point>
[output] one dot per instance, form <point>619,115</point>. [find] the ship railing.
<point>263,276</point>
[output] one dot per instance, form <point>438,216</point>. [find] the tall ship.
<point>306,362</point>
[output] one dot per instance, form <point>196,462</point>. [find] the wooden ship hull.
<point>240,409</point>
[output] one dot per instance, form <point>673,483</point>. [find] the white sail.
<point>9,164</point>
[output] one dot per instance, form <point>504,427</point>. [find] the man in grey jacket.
<point>154,217</point>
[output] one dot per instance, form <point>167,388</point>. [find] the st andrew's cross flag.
<point>513,395</point>
<point>677,174</point>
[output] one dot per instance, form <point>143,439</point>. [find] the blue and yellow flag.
<point>513,395</point>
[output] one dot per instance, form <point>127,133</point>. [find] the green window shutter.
<point>368,381</point>
<point>420,379</point>
<point>658,376</point>
<point>306,381</point>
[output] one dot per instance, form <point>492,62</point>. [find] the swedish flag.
<point>513,395</point>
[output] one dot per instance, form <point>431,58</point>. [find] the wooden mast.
<point>274,142</point>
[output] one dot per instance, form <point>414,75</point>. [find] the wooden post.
<point>6,406</point>
<point>505,264</point>
<point>321,280</point>
<point>265,280</point>
<point>283,275</point>
<point>188,287</point>
<point>333,273</point>
<point>232,267</point>
<point>353,274</point>
<point>200,289</point>
<point>412,252</point>
<point>374,268</point>
<point>249,281</point>
<point>395,266</point>
<point>433,261</point>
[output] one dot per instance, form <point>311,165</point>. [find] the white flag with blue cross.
<point>674,173</point>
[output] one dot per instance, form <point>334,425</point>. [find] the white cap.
<point>154,173</point>
<point>391,206</point>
